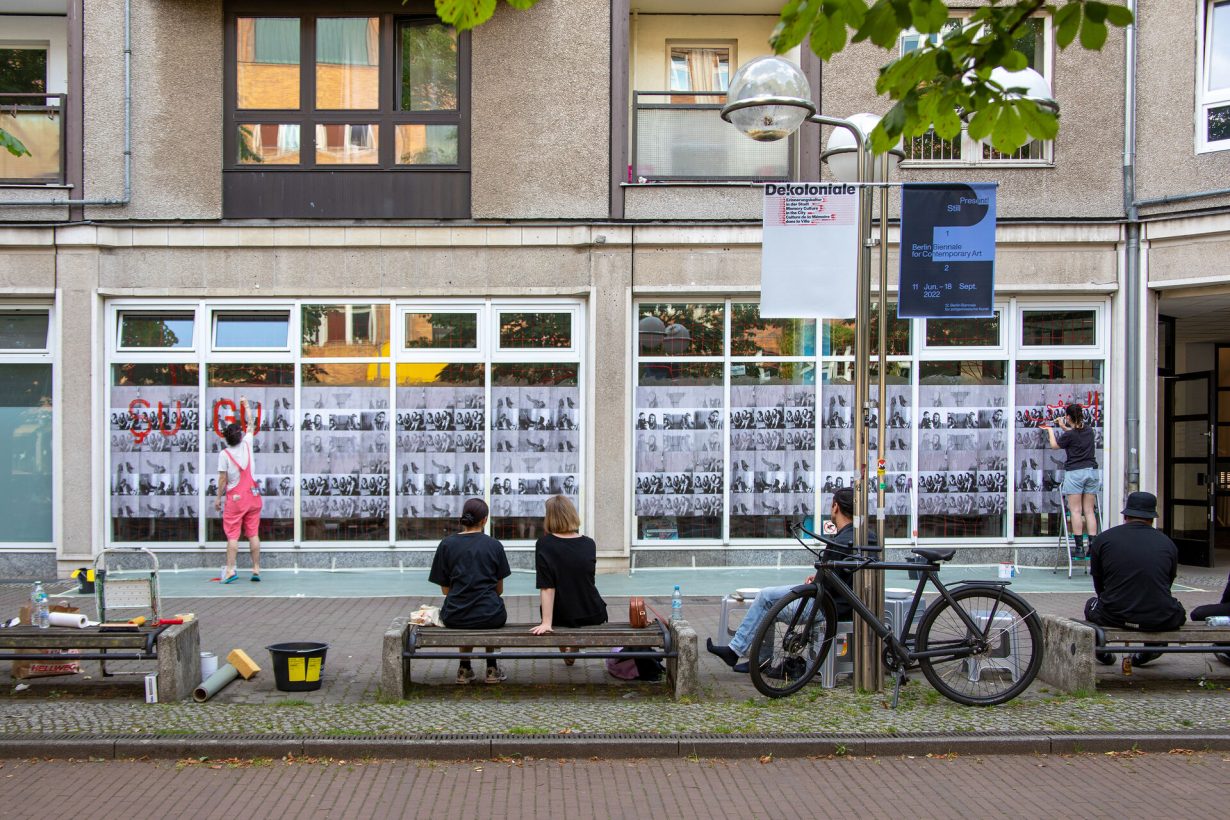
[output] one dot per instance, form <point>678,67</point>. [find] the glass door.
<point>1189,484</point>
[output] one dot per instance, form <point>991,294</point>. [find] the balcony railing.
<point>680,136</point>
<point>37,120</point>
<point>930,149</point>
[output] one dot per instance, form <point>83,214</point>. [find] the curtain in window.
<point>703,69</point>
<point>348,41</point>
<point>268,40</point>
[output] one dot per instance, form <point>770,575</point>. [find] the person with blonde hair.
<point>565,563</point>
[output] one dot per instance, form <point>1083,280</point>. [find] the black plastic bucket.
<point>298,667</point>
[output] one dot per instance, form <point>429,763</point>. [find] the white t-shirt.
<point>241,453</point>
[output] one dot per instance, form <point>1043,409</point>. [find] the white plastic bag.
<point>426,615</point>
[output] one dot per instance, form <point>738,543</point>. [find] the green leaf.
<point>1095,11</point>
<point>1009,133</point>
<point>13,145</point>
<point>1015,61</point>
<point>796,20</point>
<point>929,15</point>
<point>1040,123</point>
<point>1118,16</point>
<point>521,5</point>
<point>1093,34</point>
<point>1067,24</point>
<point>828,36</point>
<point>947,123</point>
<point>464,14</point>
<point>880,25</point>
<point>982,122</point>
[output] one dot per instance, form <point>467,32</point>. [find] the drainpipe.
<point>1133,307</point>
<point>127,136</point>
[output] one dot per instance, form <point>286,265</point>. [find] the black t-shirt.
<point>471,565</point>
<point>844,536</point>
<point>1078,442</point>
<point>1133,566</point>
<point>567,565</point>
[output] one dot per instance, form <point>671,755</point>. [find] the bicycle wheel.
<point>791,642</point>
<point>1011,657</point>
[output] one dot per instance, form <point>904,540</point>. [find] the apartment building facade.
<point>525,260</point>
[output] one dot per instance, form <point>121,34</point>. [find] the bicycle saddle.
<point>935,556</point>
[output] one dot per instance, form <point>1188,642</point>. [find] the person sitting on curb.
<point>470,568</point>
<point>1133,567</point>
<point>841,514</point>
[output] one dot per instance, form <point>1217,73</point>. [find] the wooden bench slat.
<point>1199,634</point>
<point>70,641</point>
<point>517,635</point>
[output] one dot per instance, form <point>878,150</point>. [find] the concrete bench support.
<point>179,661</point>
<point>682,670</point>
<point>394,667</point>
<point>1067,654</point>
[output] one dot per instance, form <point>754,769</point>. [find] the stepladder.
<point>1066,547</point>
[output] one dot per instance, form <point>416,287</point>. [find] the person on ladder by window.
<point>1081,480</point>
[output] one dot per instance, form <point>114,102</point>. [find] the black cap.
<point>1141,505</point>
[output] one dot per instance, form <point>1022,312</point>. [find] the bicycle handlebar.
<point>796,528</point>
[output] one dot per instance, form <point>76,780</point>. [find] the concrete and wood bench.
<point>675,644</point>
<point>1070,647</point>
<point>175,648</point>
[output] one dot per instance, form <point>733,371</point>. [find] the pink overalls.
<point>242,512</point>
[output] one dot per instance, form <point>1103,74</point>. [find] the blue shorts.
<point>1086,480</point>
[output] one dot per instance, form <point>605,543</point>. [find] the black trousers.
<point>1200,613</point>
<point>1095,614</point>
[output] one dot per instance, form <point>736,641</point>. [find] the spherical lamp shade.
<point>1025,84</point>
<point>786,97</point>
<point>841,151</point>
<point>677,340</point>
<point>652,332</point>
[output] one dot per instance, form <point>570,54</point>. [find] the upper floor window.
<point>368,91</point>
<point>33,81</point>
<point>699,67</point>
<point>930,149</point>
<point>1213,118</point>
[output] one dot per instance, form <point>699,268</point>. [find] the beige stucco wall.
<point>176,108</point>
<point>669,202</point>
<point>541,112</point>
<point>1166,158</point>
<point>649,34</point>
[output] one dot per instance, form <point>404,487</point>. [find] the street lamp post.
<point>768,99</point>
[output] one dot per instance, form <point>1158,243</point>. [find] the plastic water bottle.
<point>41,614</point>
<point>677,605</point>
<point>1218,620</point>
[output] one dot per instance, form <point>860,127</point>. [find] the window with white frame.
<point>742,425</point>
<point>372,428</point>
<point>26,425</point>
<point>930,149</point>
<point>1213,95</point>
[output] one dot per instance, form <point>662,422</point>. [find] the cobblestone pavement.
<point>1185,692</point>
<point>1179,784</point>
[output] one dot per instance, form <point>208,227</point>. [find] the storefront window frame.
<point>244,353</point>
<point>203,354</point>
<point>1010,350</point>
<point>49,355</point>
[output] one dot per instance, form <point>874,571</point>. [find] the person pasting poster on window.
<point>238,488</point>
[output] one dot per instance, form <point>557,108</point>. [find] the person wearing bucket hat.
<point>1133,567</point>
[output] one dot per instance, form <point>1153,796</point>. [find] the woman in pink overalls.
<point>237,486</point>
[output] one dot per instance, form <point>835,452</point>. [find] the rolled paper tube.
<point>215,683</point>
<point>71,619</point>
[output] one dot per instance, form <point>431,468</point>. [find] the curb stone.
<point>462,747</point>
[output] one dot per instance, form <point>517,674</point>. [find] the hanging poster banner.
<point>947,250</point>
<point>809,254</point>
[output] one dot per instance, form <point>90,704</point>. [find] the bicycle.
<point>978,644</point>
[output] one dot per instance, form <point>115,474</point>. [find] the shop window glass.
<point>441,446</point>
<point>268,144</point>
<point>270,391</point>
<point>536,444</point>
<point>347,63</point>
<point>155,425</point>
<point>247,331</point>
<point>267,64</point>
<point>1043,390</point>
<point>679,329</point>
<point>898,475</point>
<point>428,67</point>
<point>1058,327</point>
<point>772,447</point>
<point>346,144</point>
<point>531,330</point>
<point>344,483</point>
<point>751,335</point>
<point>679,455</point>
<point>962,479</point>
<point>156,330</point>
<point>442,331</point>
<point>24,330</point>
<point>975,332</point>
<point>25,452</point>
<point>420,144</point>
<point>839,334</point>
<point>344,331</point>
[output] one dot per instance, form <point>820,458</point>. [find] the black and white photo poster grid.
<point>536,447</point>
<point>155,446</point>
<point>772,450</point>
<point>440,449</point>
<point>963,458</point>
<point>679,451</point>
<point>345,458</point>
<point>273,446</point>
<point>1038,469</point>
<point>836,439</point>
<point>898,475</point>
